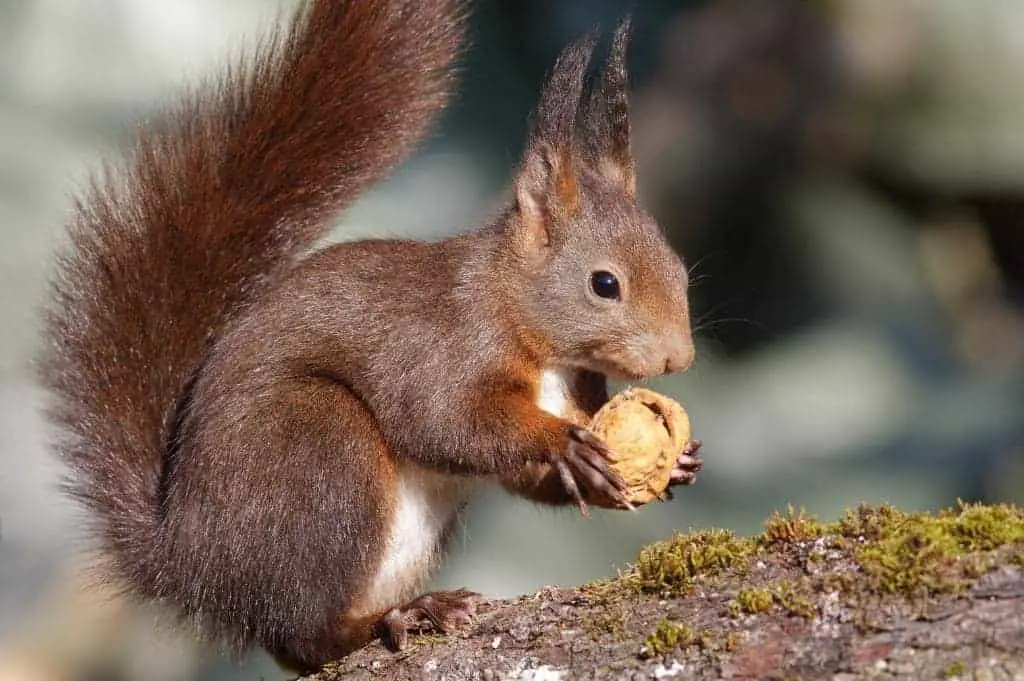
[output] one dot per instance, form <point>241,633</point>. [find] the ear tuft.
<point>547,190</point>
<point>607,117</point>
<point>555,119</point>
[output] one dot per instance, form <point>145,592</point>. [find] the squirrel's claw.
<point>687,465</point>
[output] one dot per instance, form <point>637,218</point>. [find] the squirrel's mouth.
<point>621,374</point>
<point>626,363</point>
<point>620,368</point>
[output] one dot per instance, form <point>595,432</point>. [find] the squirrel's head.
<point>603,282</point>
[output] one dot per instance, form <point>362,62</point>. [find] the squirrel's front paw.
<point>686,467</point>
<point>584,461</point>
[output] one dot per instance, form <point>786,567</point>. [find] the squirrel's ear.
<point>546,193</point>
<point>546,189</point>
<point>606,119</point>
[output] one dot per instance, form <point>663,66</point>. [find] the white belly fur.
<point>427,505</point>
<point>553,396</point>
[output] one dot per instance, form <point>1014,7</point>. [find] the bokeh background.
<point>844,177</point>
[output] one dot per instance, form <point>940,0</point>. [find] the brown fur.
<point>240,415</point>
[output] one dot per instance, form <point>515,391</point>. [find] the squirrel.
<point>276,440</point>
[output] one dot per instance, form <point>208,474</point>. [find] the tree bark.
<point>823,622</point>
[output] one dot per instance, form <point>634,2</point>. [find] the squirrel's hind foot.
<point>442,611</point>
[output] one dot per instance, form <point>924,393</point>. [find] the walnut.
<point>648,432</point>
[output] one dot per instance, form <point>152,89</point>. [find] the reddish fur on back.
<point>225,189</point>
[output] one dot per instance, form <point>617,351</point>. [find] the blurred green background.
<point>845,179</point>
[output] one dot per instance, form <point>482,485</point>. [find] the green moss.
<point>714,643</point>
<point>966,528</point>
<point>668,636</point>
<point>918,554</point>
<point>984,528</point>
<point>604,592</point>
<point>753,601</point>
<point>956,670</point>
<point>878,551</point>
<point>676,564</point>
<point>790,527</point>
<point>795,598</point>
<point>608,621</point>
<point>708,640</point>
<point>866,523</point>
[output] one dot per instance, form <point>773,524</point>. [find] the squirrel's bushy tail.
<point>239,178</point>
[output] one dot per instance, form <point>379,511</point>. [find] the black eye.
<point>605,285</point>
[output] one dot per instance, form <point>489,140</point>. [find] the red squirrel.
<point>276,441</point>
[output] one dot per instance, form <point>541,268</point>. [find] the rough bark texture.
<point>799,607</point>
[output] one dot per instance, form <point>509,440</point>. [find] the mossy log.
<point>879,594</point>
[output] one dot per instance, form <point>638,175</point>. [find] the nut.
<point>647,431</point>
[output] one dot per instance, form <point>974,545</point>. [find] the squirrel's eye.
<point>605,285</point>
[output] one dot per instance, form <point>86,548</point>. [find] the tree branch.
<point>886,596</point>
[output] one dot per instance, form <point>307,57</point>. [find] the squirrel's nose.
<point>680,356</point>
